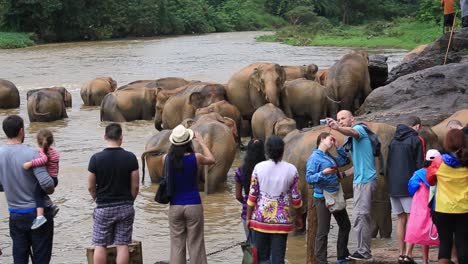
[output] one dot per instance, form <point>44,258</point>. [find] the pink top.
<point>51,161</point>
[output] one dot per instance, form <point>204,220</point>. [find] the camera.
<point>323,121</point>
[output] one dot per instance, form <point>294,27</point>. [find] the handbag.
<point>249,251</point>
<point>335,201</point>
<point>163,194</point>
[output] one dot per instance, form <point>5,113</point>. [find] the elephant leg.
<point>347,103</point>
<point>381,219</point>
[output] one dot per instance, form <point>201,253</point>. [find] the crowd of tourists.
<point>266,185</point>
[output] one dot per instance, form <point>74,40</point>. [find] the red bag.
<point>420,229</point>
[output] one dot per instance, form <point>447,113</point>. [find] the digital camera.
<point>323,121</point>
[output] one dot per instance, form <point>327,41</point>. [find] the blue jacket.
<point>415,181</point>
<point>319,161</point>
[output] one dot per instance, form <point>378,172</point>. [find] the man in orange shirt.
<point>449,15</point>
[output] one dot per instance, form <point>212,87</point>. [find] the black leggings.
<point>449,225</point>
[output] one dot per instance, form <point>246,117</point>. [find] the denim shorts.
<point>113,225</point>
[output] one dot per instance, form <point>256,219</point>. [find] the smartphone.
<point>334,167</point>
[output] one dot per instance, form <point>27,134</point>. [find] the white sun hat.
<point>181,135</point>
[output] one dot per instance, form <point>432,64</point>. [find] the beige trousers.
<point>187,231</point>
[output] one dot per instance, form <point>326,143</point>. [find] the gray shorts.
<point>401,205</point>
<point>113,225</point>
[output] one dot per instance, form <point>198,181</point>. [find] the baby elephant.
<point>270,120</point>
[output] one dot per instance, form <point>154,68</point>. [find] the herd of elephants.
<point>260,100</point>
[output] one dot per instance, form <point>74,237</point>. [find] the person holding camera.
<point>364,182</point>
<point>322,172</point>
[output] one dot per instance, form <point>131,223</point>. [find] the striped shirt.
<point>51,161</point>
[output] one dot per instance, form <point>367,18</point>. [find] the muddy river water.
<point>212,57</point>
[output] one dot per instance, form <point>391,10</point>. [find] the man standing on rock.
<point>405,156</point>
<point>449,14</point>
<point>364,182</point>
<point>113,183</point>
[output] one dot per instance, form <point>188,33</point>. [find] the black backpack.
<point>375,142</point>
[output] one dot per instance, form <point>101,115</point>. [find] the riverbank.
<point>402,33</point>
<point>13,40</point>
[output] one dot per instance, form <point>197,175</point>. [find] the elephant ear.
<point>312,69</point>
<point>254,81</point>
<point>282,75</point>
<point>196,100</point>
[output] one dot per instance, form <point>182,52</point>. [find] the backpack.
<point>375,143</point>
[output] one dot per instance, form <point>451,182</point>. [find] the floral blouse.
<point>274,189</point>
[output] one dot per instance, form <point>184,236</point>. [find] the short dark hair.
<point>275,148</point>
<point>412,121</point>
<point>12,125</point>
<point>113,131</point>
<point>455,142</point>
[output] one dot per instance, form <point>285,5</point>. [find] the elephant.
<point>46,105</point>
<point>321,76</point>
<point>9,95</point>
<point>441,128</point>
<point>225,109</point>
<point>167,83</point>
<point>254,86</point>
<point>297,72</point>
<point>307,100</point>
<point>349,79</point>
<point>173,106</point>
<point>299,146</point>
<point>219,139</point>
<point>94,91</point>
<point>129,105</point>
<point>269,120</point>
<point>414,53</point>
<point>155,148</point>
<point>66,95</point>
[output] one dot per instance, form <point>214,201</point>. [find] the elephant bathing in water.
<point>254,86</point>
<point>306,100</point>
<point>297,72</point>
<point>93,92</point>
<point>350,81</point>
<point>48,104</point>
<point>173,106</point>
<point>167,83</point>
<point>9,95</point>
<point>129,104</point>
<point>218,137</point>
<point>269,120</point>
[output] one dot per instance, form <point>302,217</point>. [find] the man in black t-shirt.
<point>113,183</point>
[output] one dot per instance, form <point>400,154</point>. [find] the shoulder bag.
<point>163,194</point>
<point>335,201</point>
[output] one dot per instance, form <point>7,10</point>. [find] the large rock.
<point>434,54</point>
<point>378,70</point>
<point>432,94</point>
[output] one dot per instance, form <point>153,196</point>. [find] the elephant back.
<point>155,148</point>
<point>9,95</point>
<point>46,106</point>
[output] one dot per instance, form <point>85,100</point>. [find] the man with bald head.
<point>455,124</point>
<point>364,182</point>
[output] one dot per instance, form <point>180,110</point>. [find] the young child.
<point>50,158</point>
<point>420,229</point>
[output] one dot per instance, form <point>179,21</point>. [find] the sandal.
<point>408,260</point>
<point>401,259</point>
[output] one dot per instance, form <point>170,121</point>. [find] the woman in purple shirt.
<point>255,154</point>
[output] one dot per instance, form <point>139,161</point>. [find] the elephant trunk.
<point>271,93</point>
<point>158,124</point>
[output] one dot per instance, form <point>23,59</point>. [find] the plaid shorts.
<point>113,225</point>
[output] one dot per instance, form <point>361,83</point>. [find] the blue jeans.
<point>271,248</point>
<point>26,242</point>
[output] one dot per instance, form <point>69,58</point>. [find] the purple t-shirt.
<point>240,178</point>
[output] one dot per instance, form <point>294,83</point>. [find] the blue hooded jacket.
<point>319,161</point>
<point>415,181</point>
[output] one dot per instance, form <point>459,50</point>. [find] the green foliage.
<point>301,15</point>
<point>430,11</point>
<point>15,40</point>
<point>402,33</point>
